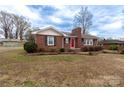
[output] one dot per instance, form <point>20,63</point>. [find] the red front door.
<point>72,43</point>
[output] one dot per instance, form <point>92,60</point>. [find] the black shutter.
<point>54,40</point>
<point>45,37</point>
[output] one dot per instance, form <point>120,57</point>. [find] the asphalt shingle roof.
<point>83,35</point>
<point>89,36</point>
<point>112,41</point>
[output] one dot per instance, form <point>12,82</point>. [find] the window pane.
<point>88,41</point>
<point>66,40</point>
<point>50,40</point>
<point>91,42</point>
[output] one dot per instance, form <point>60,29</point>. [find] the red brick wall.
<point>120,46</point>
<point>77,32</point>
<point>106,46</point>
<point>40,41</point>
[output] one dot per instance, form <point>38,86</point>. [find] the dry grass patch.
<point>18,69</point>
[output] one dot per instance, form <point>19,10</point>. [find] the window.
<point>91,42</point>
<point>50,40</point>
<point>66,40</point>
<point>88,42</point>
<point>84,41</point>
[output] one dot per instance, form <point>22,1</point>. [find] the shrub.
<point>122,52</point>
<point>91,48</point>
<point>70,50</point>
<point>30,47</point>
<point>40,50</point>
<point>98,48</point>
<point>84,49</point>
<point>52,50</point>
<point>90,53</point>
<point>113,47</point>
<point>62,50</point>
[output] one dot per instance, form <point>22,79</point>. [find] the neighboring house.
<point>50,37</point>
<point>107,43</point>
<point>11,42</point>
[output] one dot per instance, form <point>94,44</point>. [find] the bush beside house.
<point>62,50</point>
<point>30,47</point>
<point>91,48</point>
<point>113,47</point>
<point>122,52</point>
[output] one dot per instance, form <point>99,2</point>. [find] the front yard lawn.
<point>19,69</point>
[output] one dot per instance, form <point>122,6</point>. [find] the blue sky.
<point>107,20</point>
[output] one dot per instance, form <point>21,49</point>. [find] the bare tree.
<point>29,36</point>
<point>16,24</point>
<point>24,26</point>
<point>13,25</point>
<point>6,24</point>
<point>21,25</point>
<point>83,19</point>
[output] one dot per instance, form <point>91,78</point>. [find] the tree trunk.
<point>83,31</point>
<point>6,34</point>
<point>16,36</point>
<point>21,34</point>
<point>11,36</point>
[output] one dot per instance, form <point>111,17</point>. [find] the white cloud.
<point>33,15</point>
<point>55,19</point>
<point>112,26</point>
<point>94,33</point>
<point>1,36</point>
<point>65,11</point>
<point>22,10</point>
<point>9,9</point>
<point>25,11</point>
<point>106,19</point>
<point>60,7</point>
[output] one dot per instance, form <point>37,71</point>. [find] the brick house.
<point>50,37</point>
<point>107,43</point>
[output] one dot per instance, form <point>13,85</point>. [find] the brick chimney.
<point>77,32</point>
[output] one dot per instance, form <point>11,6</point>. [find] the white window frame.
<point>88,41</point>
<point>91,41</point>
<point>66,40</point>
<point>48,40</point>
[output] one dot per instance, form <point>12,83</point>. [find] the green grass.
<point>28,83</point>
<point>21,56</point>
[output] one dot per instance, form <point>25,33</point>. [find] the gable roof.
<point>48,28</point>
<point>66,34</point>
